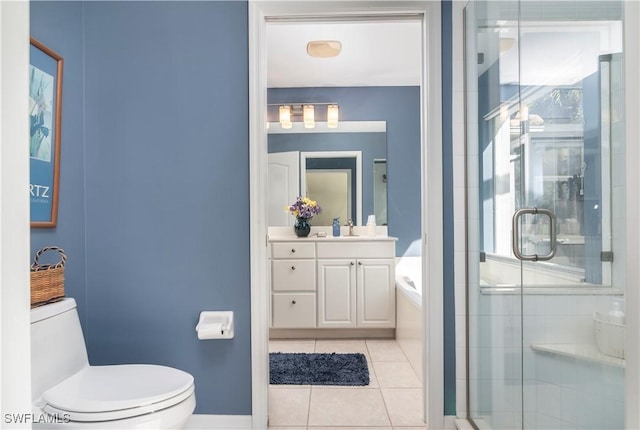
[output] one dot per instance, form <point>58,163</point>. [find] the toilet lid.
<point>100,393</point>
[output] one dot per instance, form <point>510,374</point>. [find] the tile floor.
<point>392,400</point>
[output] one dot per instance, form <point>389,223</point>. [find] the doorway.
<point>260,13</point>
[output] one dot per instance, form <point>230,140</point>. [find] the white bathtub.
<point>409,309</point>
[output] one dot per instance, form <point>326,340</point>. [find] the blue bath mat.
<point>318,369</point>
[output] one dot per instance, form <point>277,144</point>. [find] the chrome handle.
<point>515,231</point>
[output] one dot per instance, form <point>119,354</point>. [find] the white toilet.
<point>69,393</point>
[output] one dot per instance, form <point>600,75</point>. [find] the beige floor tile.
<point>340,407</point>
<point>296,345</point>
<point>410,428</point>
<point>349,428</point>
<point>289,407</point>
<point>385,350</point>
<point>287,428</point>
<point>404,406</point>
<point>342,346</point>
<point>396,374</point>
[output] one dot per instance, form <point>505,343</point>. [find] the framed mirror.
<point>337,167</point>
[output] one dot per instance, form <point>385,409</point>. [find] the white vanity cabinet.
<point>293,285</point>
<point>356,286</point>
<point>333,283</point>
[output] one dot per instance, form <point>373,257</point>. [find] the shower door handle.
<point>515,240</point>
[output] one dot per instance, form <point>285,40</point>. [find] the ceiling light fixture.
<point>324,48</point>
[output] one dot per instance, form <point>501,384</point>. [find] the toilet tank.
<point>57,345</point>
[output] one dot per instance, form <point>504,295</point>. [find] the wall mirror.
<point>344,169</point>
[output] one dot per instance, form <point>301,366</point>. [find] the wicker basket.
<point>47,280</point>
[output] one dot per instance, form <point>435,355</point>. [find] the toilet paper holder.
<point>215,325</point>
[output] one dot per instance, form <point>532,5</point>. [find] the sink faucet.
<point>350,224</point>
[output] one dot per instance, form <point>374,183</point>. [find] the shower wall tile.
<point>549,399</point>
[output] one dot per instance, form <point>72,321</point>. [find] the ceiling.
<point>374,53</point>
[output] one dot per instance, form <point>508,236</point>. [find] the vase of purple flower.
<point>303,209</point>
<point>302,227</point>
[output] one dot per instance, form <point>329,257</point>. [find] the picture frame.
<point>45,119</point>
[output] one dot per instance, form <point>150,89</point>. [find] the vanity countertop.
<point>329,238</point>
<point>286,234</point>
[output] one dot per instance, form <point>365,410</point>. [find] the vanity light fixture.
<point>332,116</point>
<point>306,112</point>
<point>308,116</point>
<point>285,117</point>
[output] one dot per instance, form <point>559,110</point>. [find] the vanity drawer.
<point>293,275</point>
<point>293,250</point>
<point>294,310</point>
<point>356,249</point>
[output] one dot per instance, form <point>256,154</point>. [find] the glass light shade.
<point>308,116</point>
<point>285,117</point>
<point>332,116</point>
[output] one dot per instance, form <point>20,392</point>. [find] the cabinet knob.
<point>293,302</point>
<point>293,250</point>
<point>293,267</point>
<point>351,263</point>
<point>359,263</point>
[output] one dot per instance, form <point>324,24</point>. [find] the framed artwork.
<point>45,115</point>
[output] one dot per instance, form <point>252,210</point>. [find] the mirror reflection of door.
<point>283,186</point>
<point>380,191</point>
<point>333,189</point>
<point>331,180</point>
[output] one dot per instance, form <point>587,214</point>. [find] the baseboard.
<point>332,333</point>
<point>222,422</point>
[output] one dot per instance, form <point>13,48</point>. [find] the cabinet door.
<point>376,293</point>
<point>336,293</point>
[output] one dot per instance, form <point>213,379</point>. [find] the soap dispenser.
<point>616,312</point>
<point>336,227</point>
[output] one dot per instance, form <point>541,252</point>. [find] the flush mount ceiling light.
<point>324,48</point>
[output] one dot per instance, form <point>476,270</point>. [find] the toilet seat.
<point>107,393</point>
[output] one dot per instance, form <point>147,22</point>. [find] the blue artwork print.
<point>40,113</point>
<point>45,99</point>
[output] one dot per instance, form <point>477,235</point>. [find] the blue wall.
<point>59,26</point>
<point>400,107</point>
<point>151,155</point>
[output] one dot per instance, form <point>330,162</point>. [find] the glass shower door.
<point>545,155</point>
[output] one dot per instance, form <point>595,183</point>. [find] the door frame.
<point>431,143</point>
